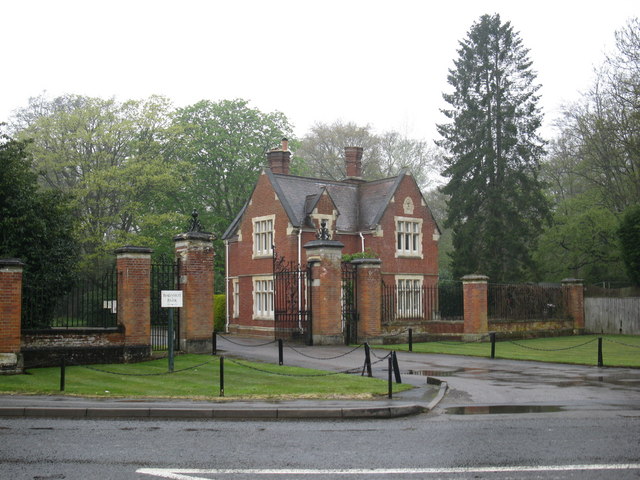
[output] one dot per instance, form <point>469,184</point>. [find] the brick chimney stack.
<point>279,158</point>
<point>353,159</point>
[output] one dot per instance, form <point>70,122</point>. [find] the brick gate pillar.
<point>475,289</point>
<point>133,265</point>
<point>369,292</point>
<point>573,289</point>
<point>196,255</point>
<point>10,315</point>
<point>325,258</point>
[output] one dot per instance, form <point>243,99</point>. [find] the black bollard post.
<point>389,377</point>
<point>62,373</point>
<point>396,368</point>
<point>214,343</point>
<point>367,361</point>
<point>280,352</point>
<point>600,362</point>
<point>493,344</point>
<point>411,340</point>
<point>222,376</point>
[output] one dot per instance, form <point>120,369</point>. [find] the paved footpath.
<point>442,381</point>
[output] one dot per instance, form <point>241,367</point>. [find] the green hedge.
<point>219,312</point>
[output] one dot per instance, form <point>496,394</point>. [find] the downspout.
<point>299,277</point>
<point>226,285</point>
<point>361,240</point>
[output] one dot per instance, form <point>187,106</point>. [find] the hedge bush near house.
<point>219,312</point>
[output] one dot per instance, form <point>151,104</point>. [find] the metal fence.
<point>89,304</point>
<point>165,273</point>
<point>525,302</point>
<point>410,300</point>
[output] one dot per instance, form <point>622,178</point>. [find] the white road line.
<point>187,474</point>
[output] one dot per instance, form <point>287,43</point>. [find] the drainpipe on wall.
<point>362,240</point>
<point>226,285</point>
<point>299,276</point>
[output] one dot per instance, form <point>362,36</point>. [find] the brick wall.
<point>368,289</point>
<point>196,254</point>
<point>134,303</point>
<point>10,305</point>
<point>475,304</point>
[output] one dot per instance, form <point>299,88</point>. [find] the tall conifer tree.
<point>496,206</point>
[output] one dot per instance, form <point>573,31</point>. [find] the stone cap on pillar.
<point>572,281</point>
<point>475,278</point>
<point>201,236</point>
<point>366,261</point>
<point>11,262</point>
<point>324,244</point>
<point>132,250</point>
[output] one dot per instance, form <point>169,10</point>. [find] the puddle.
<point>502,409</point>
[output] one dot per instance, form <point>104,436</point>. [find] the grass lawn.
<point>617,350</point>
<point>195,377</point>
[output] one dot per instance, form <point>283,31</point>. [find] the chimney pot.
<point>285,144</point>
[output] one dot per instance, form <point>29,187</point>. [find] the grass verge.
<point>617,350</point>
<point>196,377</point>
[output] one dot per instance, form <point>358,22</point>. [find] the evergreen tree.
<point>496,206</point>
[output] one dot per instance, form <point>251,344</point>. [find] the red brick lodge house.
<point>280,223</point>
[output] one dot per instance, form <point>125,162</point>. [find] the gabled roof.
<point>361,205</point>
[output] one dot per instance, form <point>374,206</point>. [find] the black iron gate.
<point>165,274</point>
<point>349,303</point>
<point>291,301</point>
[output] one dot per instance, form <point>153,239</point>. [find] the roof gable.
<point>360,205</point>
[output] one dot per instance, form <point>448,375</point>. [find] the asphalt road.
<point>499,420</point>
<point>578,444</point>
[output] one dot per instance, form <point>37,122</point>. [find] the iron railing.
<point>88,304</point>
<point>165,274</point>
<point>525,302</point>
<point>408,301</point>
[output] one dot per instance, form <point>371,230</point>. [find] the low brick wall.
<point>82,346</point>
<point>531,328</point>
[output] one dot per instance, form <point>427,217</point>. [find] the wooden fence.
<point>612,315</point>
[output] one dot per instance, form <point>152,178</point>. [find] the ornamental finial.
<point>323,233</point>
<point>195,225</point>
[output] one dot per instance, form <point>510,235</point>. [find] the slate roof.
<point>360,205</point>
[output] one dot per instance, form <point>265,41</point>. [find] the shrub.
<point>219,311</point>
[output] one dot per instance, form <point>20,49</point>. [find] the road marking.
<point>188,474</point>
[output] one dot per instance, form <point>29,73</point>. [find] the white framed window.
<point>263,236</point>
<point>236,298</point>
<point>408,237</point>
<point>263,297</point>
<point>410,296</point>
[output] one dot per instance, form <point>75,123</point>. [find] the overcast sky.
<point>382,63</point>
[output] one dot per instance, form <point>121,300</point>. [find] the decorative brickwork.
<point>326,274</point>
<point>195,251</point>
<point>10,315</point>
<point>134,303</point>
<point>475,305</point>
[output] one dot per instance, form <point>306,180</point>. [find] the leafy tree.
<point>593,170</point>
<point>496,206</point>
<point>117,159</point>
<point>224,144</point>
<point>36,225</point>
<point>321,153</point>
<point>629,232</point>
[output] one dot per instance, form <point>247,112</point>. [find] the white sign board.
<point>171,298</point>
